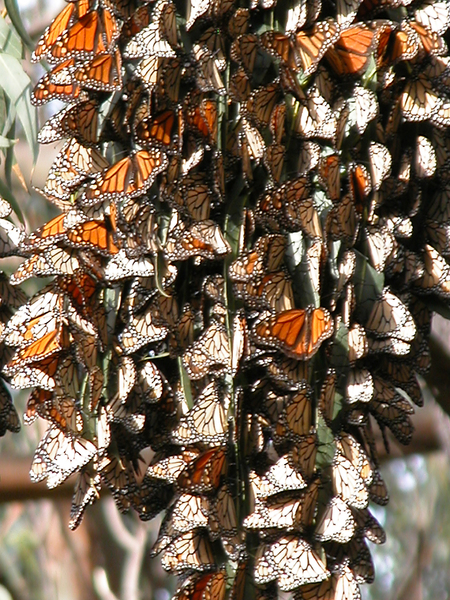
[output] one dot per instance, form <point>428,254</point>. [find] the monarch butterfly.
<point>201,117</point>
<point>168,76</point>
<point>295,419</point>
<point>279,514</point>
<point>126,377</point>
<point>52,231</point>
<point>245,50</point>
<point>291,561</point>
<point>58,84</point>
<point>341,585</point>
<point>378,491</point>
<point>222,517</point>
<point>87,491</point>
<point>59,410</point>
<point>211,585</point>
<point>73,164</point>
<point>209,353</point>
<point>203,474</point>
<point>188,512</point>
<point>170,468</point>
<point>190,551</point>
<point>370,527</point>
<point>354,452</point>
<point>238,22</point>
<point>343,221</point>
<point>139,19</point>
<point>349,55</point>
<point>34,329</point>
<point>387,399</point>
<point>330,177</point>
<point>275,292</point>
<point>277,121</point>
<point>430,41</point>
<point>53,32</point>
<point>207,74</point>
<point>266,257</point>
<point>54,261</point>
<point>58,455</point>
<point>274,156</point>
<point>194,194</point>
<point>436,273</point>
<point>122,267</point>
<point>239,87</point>
<point>419,101</point>
<point>9,419</point>
<point>390,318</point>
<point>357,556</point>
<point>425,158</point>
<point>397,44</point>
<point>95,235</point>
<point>380,164</point>
<point>304,49</point>
<point>348,483</point>
<point>215,9</point>
<point>357,343</point>
<point>151,382</point>
<point>213,39</point>
<point>298,208</point>
<point>205,422</point>
<point>298,333</point>
<point>359,386</point>
<point>93,33</point>
<point>203,239</point>
<point>131,176</point>
<point>78,120</point>
<point>156,128</point>
<point>314,116</point>
<point>365,107</point>
<point>283,476</point>
<point>360,186</point>
<point>142,330</point>
<point>155,40</point>
<point>102,73</point>
<point>336,522</point>
<point>262,102</point>
<point>116,474</point>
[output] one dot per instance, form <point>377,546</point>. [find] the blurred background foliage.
<point>107,558</point>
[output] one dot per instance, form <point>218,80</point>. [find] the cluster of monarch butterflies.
<point>254,220</point>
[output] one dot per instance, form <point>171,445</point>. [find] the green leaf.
<point>6,142</point>
<point>7,114</point>
<point>16,84</point>
<point>14,15</point>
<point>9,40</point>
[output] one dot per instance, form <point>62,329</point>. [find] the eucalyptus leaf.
<point>9,40</point>
<point>14,14</point>
<point>16,85</point>
<point>6,142</point>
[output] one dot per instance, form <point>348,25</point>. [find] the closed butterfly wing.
<point>291,561</point>
<point>211,586</point>
<point>205,422</point>
<point>209,353</point>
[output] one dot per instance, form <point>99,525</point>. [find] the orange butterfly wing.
<point>52,33</point>
<point>297,332</point>
<point>350,54</point>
